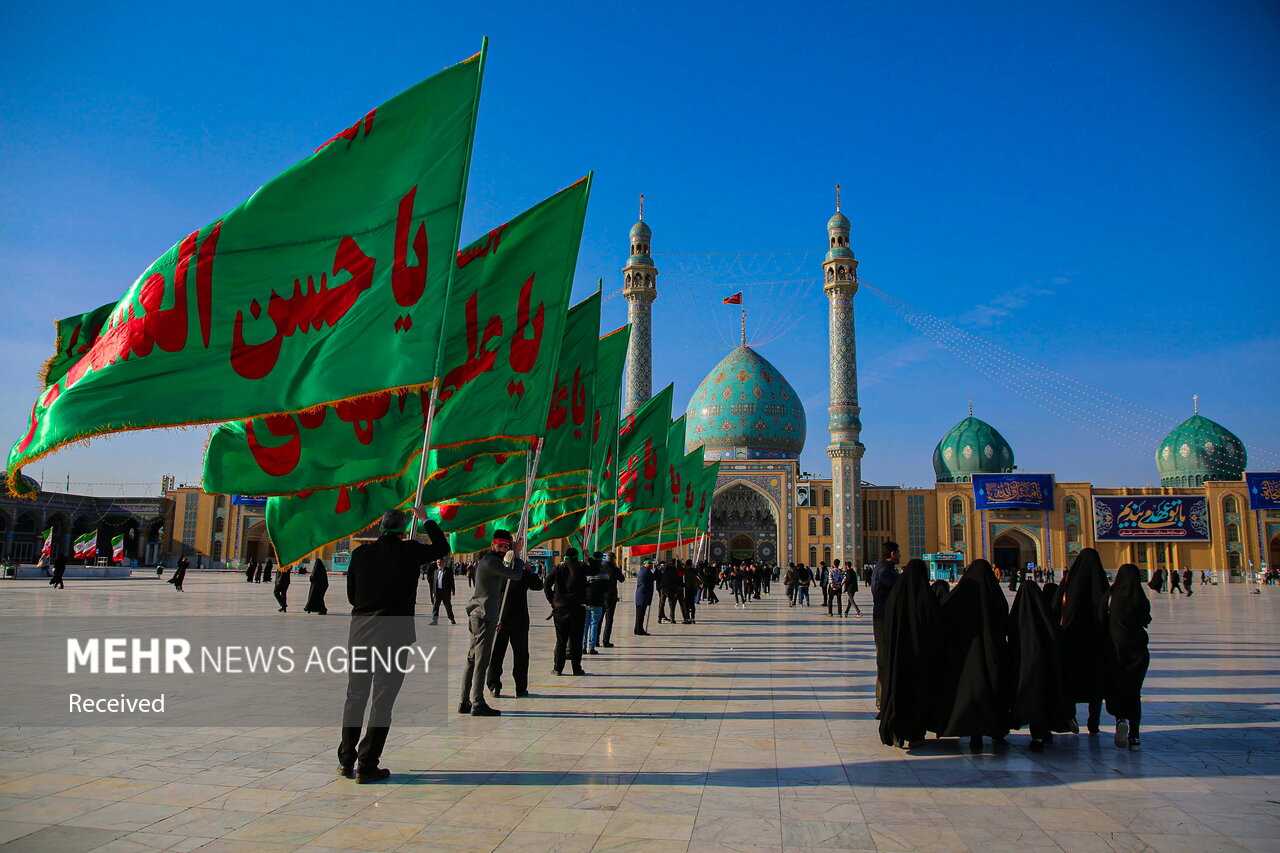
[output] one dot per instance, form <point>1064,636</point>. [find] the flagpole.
<point>426,448</point>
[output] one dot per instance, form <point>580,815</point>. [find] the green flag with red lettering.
<point>611,361</point>
<point>322,286</point>
<point>504,324</point>
<point>642,459</point>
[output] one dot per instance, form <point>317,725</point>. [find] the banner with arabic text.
<point>1264,489</point>
<point>1013,491</point>
<point>1173,518</point>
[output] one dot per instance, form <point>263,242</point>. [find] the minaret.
<point>639,287</point>
<point>840,274</point>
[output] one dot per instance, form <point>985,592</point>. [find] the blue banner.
<point>1155,518</point>
<point>1264,489</point>
<point>1013,491</point>
<point>248,500</point>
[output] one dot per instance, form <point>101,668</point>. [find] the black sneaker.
<point>378,774</point>
<point>592,652</point>
<point>520,694</point>
<point>1135,745</point>
<point>496,691</point>
<point>579,672</point>
<point>464,707</point>
<point>483,710</point>
<point>346,771</point>
<point>607,645</point>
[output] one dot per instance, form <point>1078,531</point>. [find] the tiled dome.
<point>972,446</point>
<point>745,409</point>
<point>1199,449</point>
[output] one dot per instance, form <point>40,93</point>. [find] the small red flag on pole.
<point>736,299</point>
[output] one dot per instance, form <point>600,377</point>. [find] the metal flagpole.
<point>426,447</point>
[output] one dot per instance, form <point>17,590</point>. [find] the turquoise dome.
<point>1197,450</point>
<point>972,446</point>
<point>838,221</point>
<point>641,230</point>
<point>745,409</point>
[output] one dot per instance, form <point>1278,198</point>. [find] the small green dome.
<point>1197,450</point>
<point>641,230</point>
<point>972,446</point>
<point>838,221</point>
<point>745,409</point>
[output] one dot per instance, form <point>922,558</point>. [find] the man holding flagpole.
<point>498,565</point>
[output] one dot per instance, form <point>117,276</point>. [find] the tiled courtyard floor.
<point>752,731</point>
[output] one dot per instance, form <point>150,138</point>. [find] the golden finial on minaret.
<point>642,207</point>
<point>837,198</point>
<point>1195,403</point>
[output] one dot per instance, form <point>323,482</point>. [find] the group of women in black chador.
<point>961,662</point>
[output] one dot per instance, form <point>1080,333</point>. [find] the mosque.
<point>747,415</point>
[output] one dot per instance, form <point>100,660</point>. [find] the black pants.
<point>569,622</point>
<point>518,638</point>
<point>282,596</point>
<point>826,597</point>
<point>850,604</point>
<point>666,597</point>
<point>606,625</point>
<point>473,677</point>
<point>383,687</point>
<point>690,602</point>
<point>882,649</point>
<point>641,610</point>
<point>833,600</point>
<point>709,593</point>
<point>447,600</point>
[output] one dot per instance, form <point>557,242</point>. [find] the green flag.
<point>504,322</point>
<point>322,286</point>
<point>642,456</point>
<point>611,361</point>
<point>496,379</point>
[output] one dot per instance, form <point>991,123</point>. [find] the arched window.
<point>826,526</point>
<point>813,525</point>
<point>1230,505</point>
<point>217,552</point>
<point>826,497</point>
<point>1073,533</point>
<point>957,506</point>
<point>957,534</point>
<point>220,501</point>
<point>826,555</point>
<point>219,523</point>
<point>813,555</point>
<point>1233,532</point>
<point>1233,559</point>
<point>1071,506</point>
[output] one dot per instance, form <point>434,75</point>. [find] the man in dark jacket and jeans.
<point>513,630</point>
<point>566,591</point>
<point>883,577</point>
<point>495,569</point>
<point>382,586</point>
<point>610,598</point>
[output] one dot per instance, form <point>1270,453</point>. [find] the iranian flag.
<point>117,548</point>
<point>86,547</point>
<point>324,285</point>
<point>46,550</point>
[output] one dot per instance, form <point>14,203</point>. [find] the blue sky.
<point>1095,187</point>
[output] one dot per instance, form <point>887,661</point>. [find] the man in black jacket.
<point>611,597</point>
<point>566,591</point>
<point>670,591</point>
<point>441,575</point>
<point>513,629</point>
<point>382,587</point>
<point>496,570</point>
<point>690,579</point>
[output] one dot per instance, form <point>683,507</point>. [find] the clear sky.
<point>1094,187</point>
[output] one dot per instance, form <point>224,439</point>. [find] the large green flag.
<point>642,459</point>
<point>494,393</point>
<point>611,362</point>
<point>320,287</point>
<point>496,375</point>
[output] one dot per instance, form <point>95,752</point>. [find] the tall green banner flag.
<point>503,327</point>
<point>611,362</point>
<point>642,459</point>
<point>499,395</point>
<point>688,494</point>
<point>322,286</point>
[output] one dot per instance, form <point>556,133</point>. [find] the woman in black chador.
<point>912,637</point>
<point>1128,618</point>
<point>974,684</point>
<point>1085,633</point>
<point>940,588</point>
<point>319,586</point>
<point>1035,645</point>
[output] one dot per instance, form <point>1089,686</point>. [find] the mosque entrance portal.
<point>744,525</point>
<point>1013,549</point>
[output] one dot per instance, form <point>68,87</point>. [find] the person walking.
<point>1175,582</point>
<point>1085,638</point>
<point>835,590</point>
<point>610,597</point>
<point>670,591</point>
<point>597,580</point>
<point>382,588</point>
<point>319,586</point>
<point>1039,698</point>
<point>1186,582</point>
<point>513,631</point>
<point>789,580</point>
<point>690,579</point>
<point>180,574</point>
<point>281,588</point>
<point>645,581</point>
<point>498,568</point>
<point>1128,615</point>
<point>566,591</point>
<point>59,569</point>
<point>883,577</point>
<point>851,589</point>
<point>909,645</point>
<point>250,568</point>
<point>820,578</point>
<point>974,680</point>
<point>442,589</point>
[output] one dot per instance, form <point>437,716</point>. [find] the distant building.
<point>24,520</point>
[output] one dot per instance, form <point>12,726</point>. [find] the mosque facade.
<point>747,415</point>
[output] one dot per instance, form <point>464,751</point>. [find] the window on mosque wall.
<point>217,551</point>
<point>1230,505</point>
<point>957,533</point>
<point>1071,506</point>
<point>957,506</point>
<point>220,501</point>
<point>813,555</point>
<point>1073,533</point>
<point>1160,552</point>
<point>1142,552</point>
<point>218,524</point>
<point>1233,533</point>
<point>826,555</point>
<point>826,497</point>
<point>826,526</point>
<point>1233,559</point>
<point>813,525</point>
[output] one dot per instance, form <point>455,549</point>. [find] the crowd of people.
<point>958,661</point>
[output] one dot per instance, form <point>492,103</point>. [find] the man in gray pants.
<point>496,567</point>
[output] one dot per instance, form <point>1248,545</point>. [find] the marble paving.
<point>752,731</point>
